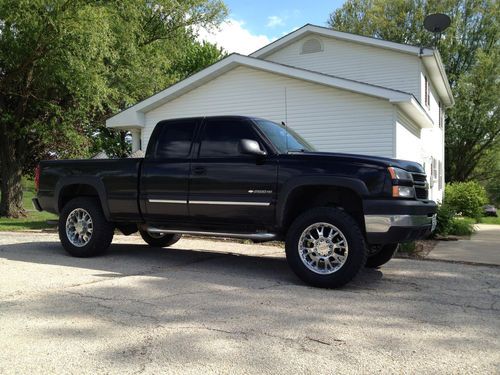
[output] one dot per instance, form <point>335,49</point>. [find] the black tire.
<point>382,256</point>
<point>357,252</point>
<point>102,233</point>
<point>164,241</point>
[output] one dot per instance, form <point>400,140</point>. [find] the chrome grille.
<point>420,183</point>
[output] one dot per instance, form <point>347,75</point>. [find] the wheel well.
<point>304,198</point>
<point>69,192</point>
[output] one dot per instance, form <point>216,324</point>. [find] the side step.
<point>261,237</point>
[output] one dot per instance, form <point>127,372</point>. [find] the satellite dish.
<point>437,22</point>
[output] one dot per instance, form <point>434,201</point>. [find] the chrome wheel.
<point>79,227</point>
<point>323,248</point>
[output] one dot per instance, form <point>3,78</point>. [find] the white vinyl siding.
<point>378,66</point>
<point>423,146</point>
<point>408,139</point>
<point>331,119</point>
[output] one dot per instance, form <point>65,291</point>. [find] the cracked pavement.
<point>223,307</point>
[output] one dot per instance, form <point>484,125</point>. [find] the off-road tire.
<point>102,234</point>
<point>348,226</point>
<point>165,241</point>
<point>381,257</point>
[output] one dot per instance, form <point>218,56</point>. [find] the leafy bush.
<point>445,215</point>
<point>448,224</point>
<point>461,227</point>
<point>466,198</point>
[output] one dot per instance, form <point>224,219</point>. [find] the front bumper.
<point>393,221</point>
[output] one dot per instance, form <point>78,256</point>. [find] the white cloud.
<point>233,37</point>
<point>273,21</point>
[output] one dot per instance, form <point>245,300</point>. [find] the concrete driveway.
<point>483,247</point>
<point>209,307</point>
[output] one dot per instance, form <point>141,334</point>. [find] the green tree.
<point>470,52</point>
<point>66,65</point>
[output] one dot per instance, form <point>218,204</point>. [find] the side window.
<point>221,138</point>
<point>175,140</point>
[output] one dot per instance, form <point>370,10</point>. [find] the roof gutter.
<point>431,59</point>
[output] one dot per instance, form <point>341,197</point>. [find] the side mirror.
<point>251,147</point>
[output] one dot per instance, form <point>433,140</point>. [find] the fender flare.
<point>92,181</point>
<point>356,185</point>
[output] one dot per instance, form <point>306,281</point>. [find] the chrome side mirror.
<point>251,147</point>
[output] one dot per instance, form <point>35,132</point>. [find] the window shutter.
<point>426,92</point>
<point>440,176</point>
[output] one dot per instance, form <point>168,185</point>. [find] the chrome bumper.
<point>382,223</point>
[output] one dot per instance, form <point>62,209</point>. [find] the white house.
<point>342,92</point>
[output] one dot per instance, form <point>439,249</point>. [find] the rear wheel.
<point>83,228</point>
<point>382,256</point>
<point>325,247</point>
<point>159,239</point>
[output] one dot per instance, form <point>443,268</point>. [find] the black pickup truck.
<point>246,178</point>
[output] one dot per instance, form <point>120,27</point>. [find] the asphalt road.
<point>209,307</point>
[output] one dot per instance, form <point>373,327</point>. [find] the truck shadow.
<point>123,260</point>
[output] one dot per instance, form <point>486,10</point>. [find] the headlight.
<point>400,174</point>
<point>402,182</point>
<point>403,191</point>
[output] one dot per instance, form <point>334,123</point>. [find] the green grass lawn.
<point>33,220</point>
<point>490,220</point>
<point>483,220</point>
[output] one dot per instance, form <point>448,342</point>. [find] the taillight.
<point>37,177</point>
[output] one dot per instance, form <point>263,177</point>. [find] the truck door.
<point>227,186</point>
<point>164,181</point>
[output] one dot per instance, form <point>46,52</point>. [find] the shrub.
<point>445,217</point>
<point>466,198</point>
<point>460,227</point>
<point>448,224</point>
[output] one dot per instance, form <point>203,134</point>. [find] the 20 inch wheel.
<point>159,239</point>
<point>83,228</point>
<point>325,247</point>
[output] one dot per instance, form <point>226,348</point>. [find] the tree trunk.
<point>12,193</point>
<point>11,202</point>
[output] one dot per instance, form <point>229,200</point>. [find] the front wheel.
<point>159,239</point>
<point>325,247</point>
<point>83,228</point>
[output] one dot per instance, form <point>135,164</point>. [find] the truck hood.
<point>408,165</point>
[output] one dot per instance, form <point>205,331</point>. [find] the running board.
<point>244,236</point>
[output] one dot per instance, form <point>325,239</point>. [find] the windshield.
<point>283,138</point>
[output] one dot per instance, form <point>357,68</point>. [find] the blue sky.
<point>254,23</point>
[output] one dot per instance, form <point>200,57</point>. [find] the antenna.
<point>436,23</point>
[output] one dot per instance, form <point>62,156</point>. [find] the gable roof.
<point>430,56</point>
<point>134,115</point>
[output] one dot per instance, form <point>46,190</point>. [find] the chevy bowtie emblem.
<point>260,191</point>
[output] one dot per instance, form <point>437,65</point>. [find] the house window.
<point>426,92</point>
<point>312,46</point>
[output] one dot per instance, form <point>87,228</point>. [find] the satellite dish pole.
<point>436,23</point>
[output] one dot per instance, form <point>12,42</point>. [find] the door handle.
<point>199,170</point>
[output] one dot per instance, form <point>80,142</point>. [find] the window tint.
<point>221,138</point>
<point>175,140</point>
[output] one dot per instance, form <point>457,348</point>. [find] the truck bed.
<point>117,181</point>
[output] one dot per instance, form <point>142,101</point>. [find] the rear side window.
<point>221,138</point>
<point>175,140</point>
